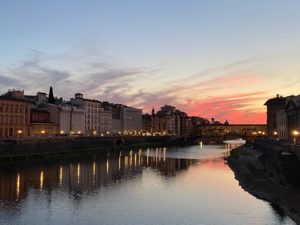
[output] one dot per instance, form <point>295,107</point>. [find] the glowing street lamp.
<point>94,132</point>
<point>275,133</point>
<point>19,132</point>
<point>61,132</point>
<point>295,134</point>
<point>43,132</point>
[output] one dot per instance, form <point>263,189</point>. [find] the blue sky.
<point>192,54</point>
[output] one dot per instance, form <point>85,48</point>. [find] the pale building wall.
<point>132,119</point>
<point>117,125</point>
<point>105,121</point>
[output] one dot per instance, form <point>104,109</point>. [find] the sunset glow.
<point>223,64</point>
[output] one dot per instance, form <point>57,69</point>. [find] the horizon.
<point>207,59</point>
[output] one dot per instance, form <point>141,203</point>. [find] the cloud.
<point>222,92</point>
<point>238,108</point>
<point>7,81</point>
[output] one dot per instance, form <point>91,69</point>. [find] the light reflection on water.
<point>189,185</point>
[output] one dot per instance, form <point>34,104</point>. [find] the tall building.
<point>281,125</point>
<point>132,119</point>
<point>146,123</point>
<point>14,114</point>
<point>167,120</point>
<point>292,116</point>
<point>97,119</point>
<point>124,118</point>
<point>72,120</point>
<point>273,106</point>
<point>105,121</point>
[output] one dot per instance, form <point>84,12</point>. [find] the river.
<point>177,185</point>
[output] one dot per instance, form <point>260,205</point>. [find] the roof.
<point>91,100</point>
<point>277,100</point>
<point>13,99</point>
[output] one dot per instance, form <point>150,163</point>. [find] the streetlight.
<point>295,134</point>
<point>275,133</point>
<point>19,132</point>
<point>43,132</point>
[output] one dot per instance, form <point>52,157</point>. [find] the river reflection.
<point>86,175</point>
<point>188,185</point>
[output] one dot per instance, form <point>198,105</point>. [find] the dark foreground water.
<point>180,186</point>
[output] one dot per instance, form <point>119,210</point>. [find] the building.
<point>97,119</point>
<point>14,114</point>
<point>273,106</point>
<point>124,118</point>
<point>281,125</point>
<point>40,99</point>
<point>70,119</point>
<point>146,123</point>
<point>168,121</point>
<point>292,110</point>
<point>40,124</point>
<point>105,121</point>
<point>131,119</point>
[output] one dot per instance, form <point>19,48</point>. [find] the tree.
<point>51,98</point>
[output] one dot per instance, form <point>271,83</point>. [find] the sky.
<point>209,58</point>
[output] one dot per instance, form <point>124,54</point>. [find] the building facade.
<point>131,119</point>
<point>273,106</point>
<point>72,120</point>
<point>293,117</point>
<point>146,123</point>
<point>98,120</point>
<point>281,125</point>
<point>168,120</point>
<point>105,121</point>
<point>14,115</point>
<point>40,124</point>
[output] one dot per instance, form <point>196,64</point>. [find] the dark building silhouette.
<point>273,106</point>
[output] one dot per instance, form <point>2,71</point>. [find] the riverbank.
<point>51,148</point>
<point>249,167</point>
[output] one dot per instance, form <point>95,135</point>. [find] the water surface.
<point>182,185</point>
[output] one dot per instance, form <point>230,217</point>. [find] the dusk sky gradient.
<point>210,58</point>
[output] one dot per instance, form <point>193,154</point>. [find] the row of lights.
<point>259,133</point>
<point>295,133</point>
<point>135,133</point>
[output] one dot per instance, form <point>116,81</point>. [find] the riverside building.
<point>98,121</point>
<point>14,114</point>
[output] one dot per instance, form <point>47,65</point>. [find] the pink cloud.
<point>233,108</point>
